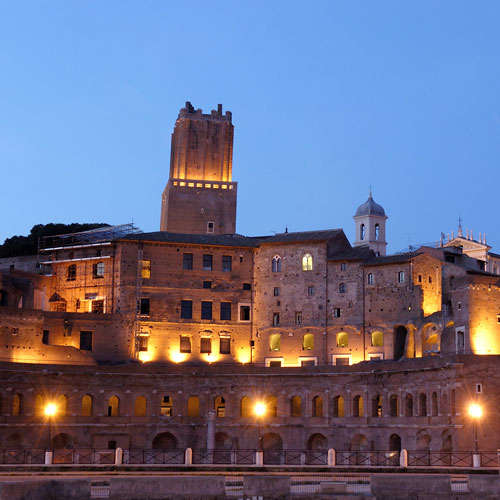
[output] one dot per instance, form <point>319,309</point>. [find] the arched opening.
<point>308,342</point>
<point>39,405</point>
<point>62,405</point>
<point>393,405</point>
<point>275,342</point>
<point>245,407</point>
<point>377,232</point>
<point>395,443</point>
<point>317,406</point>
<point>272,406</point>
<point>444,404</point>
<point>377,406</point>
<point>220,407</point>
<point>223,441</point>
<point>377,339</point>
<point>431,340</point>
<point>423,440</point>
<point>317,442</point>
<point>140,407</point>
<point>17,405</point>
<point>14,442</point>
<point>446,442</point>
<point>87,405</point>
<point>307,262</point>
<point>359,442</point>
<point>422,405</point>
<point>362,232</point>
<point>62,441</point>
<point>408,405</point>
<point>453,402</point>
<point>338,406</point>
<point>71,276</point>
<point>296,406</point>
<point>193,406</point>
<point>164,441</point>
<point>272,445</point>
<point>400,335</point>
<point>342,339</point>
<point>276,264</point>
<point>357,406</point>
<point>434,404</point>
<point>113,406</point>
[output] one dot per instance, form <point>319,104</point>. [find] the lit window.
<point>275,342</point>
<point>298,318</point>
<point>276,291</point>
<point>227,263</point>
<point>342,339</point>
<point>307,262</point>
<point>205,345</point>
<point>186,309</point>
<point>185,344</point>
<point>308,342</point>
<point>310,291</point>
<point>342,288</point>
<point>276,319</point>
<point>206,310</point>
<point>377,339</point>
<point>207,262</point>
<point>401,277</point>
<point>370,279</point>
<point>146,269</point>
<point>187,261</point>
<point>99,270</point>
<point>71,273</point>
<point>276,264</point>
<point>225,311</point>
<point>142,343</point>
<point>166,406</point>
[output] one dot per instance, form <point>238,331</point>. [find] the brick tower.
<point>200,197</point>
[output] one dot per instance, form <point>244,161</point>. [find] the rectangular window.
<point>247,286</point>
<point>185,344</point>
<point>207,284</point>
<point>225,345</point>
<point>98,270</point>
<point>420,278</point>
<point>298,318</point>
<point>45,337</point>
<point>343,266</point>
<point>146,269</point>
<point>341,360</point>
<point>186,309</point>
<point>244,313</point>
<point>144,307</point>
<point>370,279</point>
<point>276,291</point>
<point>187,261</point>
<point>206,345</point>
<point>225,311</point>
<point>206,310</point>
<point>98,306</point>
<point>336,312</point>
<point>276,363</point>
<point>227,263</point>
<point>210,227</point>
<point>276,319</point>
<point>143,341</point>
<point>310,291</point>
<point>85,341</point>
<point>207,262</point>
<point>401,277</point>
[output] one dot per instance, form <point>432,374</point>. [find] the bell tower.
<point>200,197</point>
<point>370,226</point>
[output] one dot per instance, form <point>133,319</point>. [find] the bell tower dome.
<point>370,226</point>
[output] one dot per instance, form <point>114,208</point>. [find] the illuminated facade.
<point>199,318</point>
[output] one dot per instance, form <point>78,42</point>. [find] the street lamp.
<point>50,411</point>
<point>260,410</point>
<point>476,412</point>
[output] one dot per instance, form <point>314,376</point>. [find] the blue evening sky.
<point>328,99</point>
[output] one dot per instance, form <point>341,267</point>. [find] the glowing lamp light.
<point>178,357</point>
<point>475,411</point>
<point>144,356</point>
<point>260,409</point>
<point>50,409</point>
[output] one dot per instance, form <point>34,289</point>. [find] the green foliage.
<point>28,245</point>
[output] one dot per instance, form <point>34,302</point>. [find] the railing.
<point>287,457</point>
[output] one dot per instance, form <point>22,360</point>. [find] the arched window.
<point>317,406</point>
<point>362,232</point>
<point>393,406</point>
<point>275,342</point>
<point>17,405</point>
<point>408,405</point>
<point>296,406</point>
<point>342,339</point>
<point>62,405</point>
<point>140,407</point>
<point>71,273</point>
<point>422,400</point>
<point>272,406</point>
<point>99,270</point>
<point>193,409</point>
<point>338,406</point>
<point>434,404</point>
<point>276,264</point>
<point>166,406</point>
<point>307,262</point>
<point>369,279</point>
<point>220,407</point>
<point>357,406</point>
<point>39,405</point>
<point>377,406</point>
<point>87,405</point>
<point>377,232</point>
<point>308,342</point>
<point>245,407</point>
<point>342,288</point>
<point>377,339</point>
<point>113,406</point>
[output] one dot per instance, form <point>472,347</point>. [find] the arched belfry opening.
<point>370,221</point>
<point>400,340</point>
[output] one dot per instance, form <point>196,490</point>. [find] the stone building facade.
<point>137,336</point>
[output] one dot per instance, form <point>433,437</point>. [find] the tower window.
<point>343,266</point>
<point>342,288</point>
<point>310,291</point>
<point>401,277</point>
<point>146,269</point>
<point>336,312</point>
<point>370,279</point>
<point>307,262</point>
<point>276,291</point>
<point>377,232</point>
<point>71,273</point>
<point>362,232</point>
<point>276,264</point>
<point>298,318</point>
<point>276,319</point>
<point>99,270</point>
<point>210,227</point>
